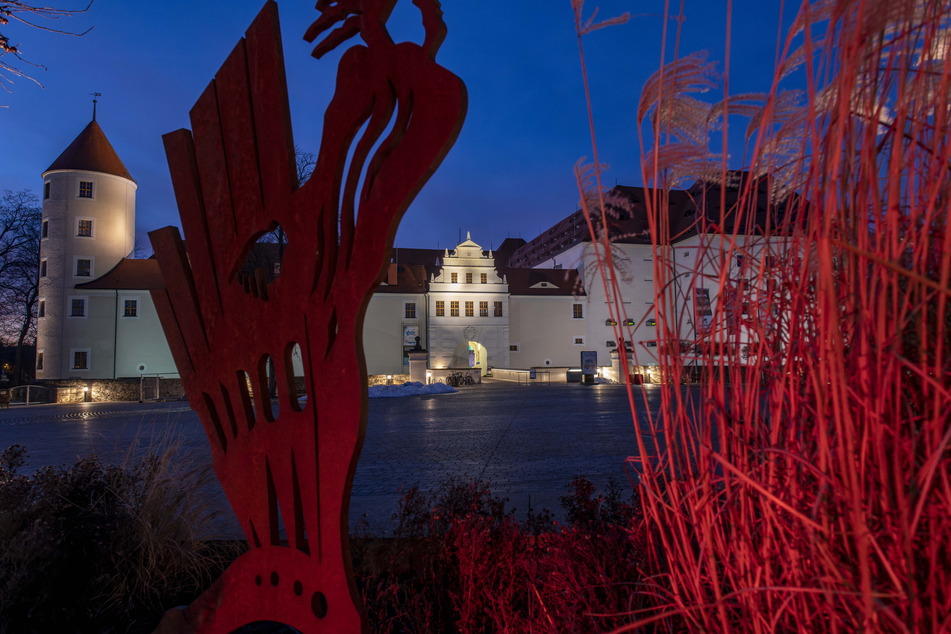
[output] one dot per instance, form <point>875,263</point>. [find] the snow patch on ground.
<point>411,388</point>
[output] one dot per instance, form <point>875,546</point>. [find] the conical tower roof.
<point>91,152</point>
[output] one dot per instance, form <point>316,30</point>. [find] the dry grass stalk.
<point>808,488</point>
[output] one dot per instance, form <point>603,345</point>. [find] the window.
<point>46,190</point>
<point>579,341</point>
<point>628,322</point>
<point>409,310</point>
<point>81,359</point>
<point>468,278</point>
<point>650,344</point>
<point>45,231</point>
<point>498,309</point>
<point>469,310</point>
<point>454,278</point>
<point>83,267</point>
<point>42,268</point>
<point>610,344</point>
<point>85,189</point>
<point>483,309</point>
<point>440,309</point>
<point>39,360</point>
<point>651,322</point>
<point>84,228</point>
<point>41,309</point>
<point>484,278</point>
<point>130,308</point>
<point>453,309</point>
<point>77,307</point>
<point>577,311</point>
<point>513,347</point>
<point>607,322</point>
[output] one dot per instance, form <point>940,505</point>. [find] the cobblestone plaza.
<point>527,441</point>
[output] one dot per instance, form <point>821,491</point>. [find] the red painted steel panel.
<point>234,178</point>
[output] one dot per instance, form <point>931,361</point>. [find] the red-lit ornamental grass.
<point>808,488</point>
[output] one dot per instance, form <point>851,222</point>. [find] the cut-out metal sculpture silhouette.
<point>287,466</point>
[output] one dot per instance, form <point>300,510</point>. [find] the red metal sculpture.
<point>290,466</point>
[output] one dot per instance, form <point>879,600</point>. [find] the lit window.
<point>39,360</point>
<point>454,278</point>
<point>468,278</point>
<point>409,310</point>
<point>513,347</point>
<point>498,309</point>
<point>45,232</point>
<point>130,308</point>
<point>483,309</point>
<point>80,359</point>
<point>440,309</point>
<point>85,189</point>
<point>484,278</point>
<point>84,229</point>
<point>83,267</point>
<point>77,307</point>
<point>651,322</point>
<point>577,311</point>
<point>42,268</point>
<point>469,310</point>
<point>46,190</point>
<point>41,308</point>
<point>453,309</point>
<point>607,322</point>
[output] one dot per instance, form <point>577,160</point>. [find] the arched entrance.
<point>478,356</point>
<point>471,354</point>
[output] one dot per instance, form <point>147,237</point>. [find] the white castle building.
<point>535,304</point>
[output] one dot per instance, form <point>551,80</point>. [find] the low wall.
<point>381,379</point>
<point>542,375</point>
<point>72,390</point>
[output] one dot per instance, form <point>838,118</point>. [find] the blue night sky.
<point>509,174</point>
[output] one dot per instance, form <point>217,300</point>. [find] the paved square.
<point>527,441</point>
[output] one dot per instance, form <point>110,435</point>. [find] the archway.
<point>478,356</point>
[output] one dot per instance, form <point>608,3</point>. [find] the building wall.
<point>141,344</point>
<point>545,332</point>
<point>112,212</point>
<point>387,331</point>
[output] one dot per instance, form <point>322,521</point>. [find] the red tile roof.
<point>129,275</point>
<point>91,152</point>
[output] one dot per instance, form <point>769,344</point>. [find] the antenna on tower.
<point>94,102</point>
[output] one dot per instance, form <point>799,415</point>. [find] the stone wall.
<point>101,390</point>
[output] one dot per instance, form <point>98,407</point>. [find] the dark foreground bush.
<point>105,549</point>
<point>460,563</point>
<point>94,548</point>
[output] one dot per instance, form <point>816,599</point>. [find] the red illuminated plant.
<point>806,484</point>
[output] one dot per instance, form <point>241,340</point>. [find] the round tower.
<point>88,228</point>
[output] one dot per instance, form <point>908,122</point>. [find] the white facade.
<point>468,311</point>
<point>88,228</point>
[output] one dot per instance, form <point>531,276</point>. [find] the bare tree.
<point>19,262</point>
<point>13,12</point>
